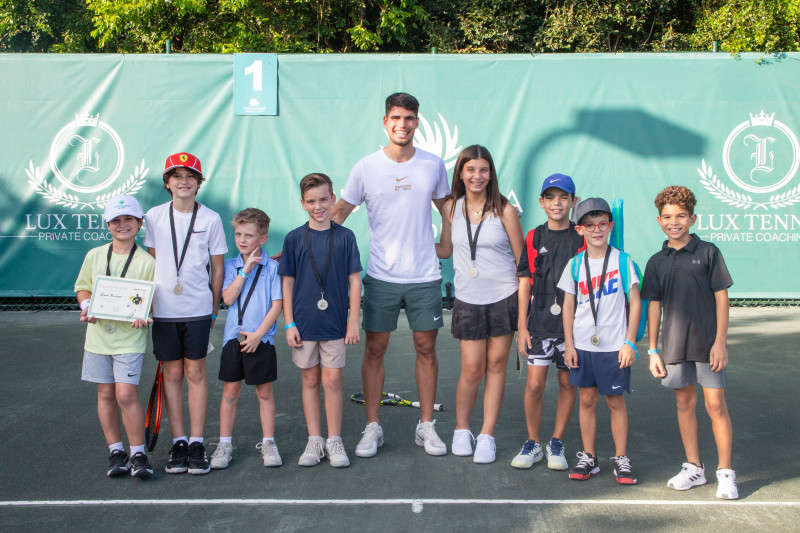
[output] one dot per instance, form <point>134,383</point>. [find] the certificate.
<point>121,298</point>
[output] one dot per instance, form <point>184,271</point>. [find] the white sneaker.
<point>726,484</point>
<point>484,449</point>
<point>426,436</point>
<point>314,452</point>
<point>556,459</point>
<point>462,442</point>
<point>269,453</point>
<point>336,454</point>
<point>222,455</point>
<point>371,441</point>
<point>530,453</point>
<point>689,476</point>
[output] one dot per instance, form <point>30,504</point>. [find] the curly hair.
<point>676,195</point>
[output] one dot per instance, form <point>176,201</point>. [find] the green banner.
<point>78,129</point>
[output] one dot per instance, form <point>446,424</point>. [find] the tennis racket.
<point>152,421</point>
<point>387,398</point>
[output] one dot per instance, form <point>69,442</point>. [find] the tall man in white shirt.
<point>398,183</point>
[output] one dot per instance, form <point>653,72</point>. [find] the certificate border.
<point>151,287</point>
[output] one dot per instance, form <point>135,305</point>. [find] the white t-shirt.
<point>398,198</point>
<point>208,238</point>
<point>612,320</point>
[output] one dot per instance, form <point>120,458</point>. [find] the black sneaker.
<point>178,458</point>
<point>623,470</point>
<point>140,466</point>
<point>198,462</point>
<point>586,467</point>
<point>117,463</point>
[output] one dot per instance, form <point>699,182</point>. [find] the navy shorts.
<point>173,341</point>
<point>601,370</point>
<point>254,368</point>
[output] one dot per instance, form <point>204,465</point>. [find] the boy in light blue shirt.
<point>252,291</point>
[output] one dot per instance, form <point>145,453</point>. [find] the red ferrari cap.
<point>183,159</point>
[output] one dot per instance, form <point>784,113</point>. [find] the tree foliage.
<point>468,26</point>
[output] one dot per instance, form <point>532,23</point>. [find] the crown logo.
<point>762,119</point>
<point>87,120</point>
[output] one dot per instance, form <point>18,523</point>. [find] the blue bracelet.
<point>243,274</point>
<point>213,317</point>
<point>290,326</point>
<point>633,346</point>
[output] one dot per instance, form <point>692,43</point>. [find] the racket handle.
<point>436,406</point>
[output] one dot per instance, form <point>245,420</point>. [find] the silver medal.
<point>322,304</point>
<point>555,309</point>
<point>110,328</point>
<point>178,288</point>
<point>473,272</point>
<point>241,337</point>
<point>595,340</point>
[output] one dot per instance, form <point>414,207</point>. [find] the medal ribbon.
<point>242,308</point>
<point>127,263</point>
<point>473,244</point>
<point>320,280</point>
<point>596,307</point>
<point>175,238</point>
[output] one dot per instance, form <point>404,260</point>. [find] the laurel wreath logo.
<point>432,140</point>
<point>722,192</point>
<point>59,197</point>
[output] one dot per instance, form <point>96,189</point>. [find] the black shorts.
<point>173,341</point>
<point>254,368</point>
<point>477,322</point>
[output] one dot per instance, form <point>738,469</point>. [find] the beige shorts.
<point>330,353</point>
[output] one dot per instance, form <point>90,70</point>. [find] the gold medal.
<point>110,328</point>
<point>178,288</point>
<point>595,340</point>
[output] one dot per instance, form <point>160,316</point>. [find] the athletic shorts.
<point>382,301</point>
<point>601,370</point>
<point>121,368</point>
<point>330,354</point>
<point>680,375</point>
<point>473,322</point>
<point>544,351</point>
<point>254,368</point>
<point>173,341</point>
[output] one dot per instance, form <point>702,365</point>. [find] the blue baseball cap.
<point>559,181</point>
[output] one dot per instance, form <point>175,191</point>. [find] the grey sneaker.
<point>336,454</point>
<point>530,453</point>
<point>314,452</point>
<point>371,441</point>
<point>426,436</point>
<point>222,456</point>
<point>269,453</point>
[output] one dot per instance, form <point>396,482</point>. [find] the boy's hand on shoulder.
<point>523,341</point>
<point>626,356</point>
<point>293,337</point>
<point>141,323</point>
<point>352,335</point>
<point>251,341</point>
<point>657,366</point>
<point>571,357</point>
<point>719,357</point>
<point>86,318</point>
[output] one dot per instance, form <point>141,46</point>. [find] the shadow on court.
<point>52,452</point>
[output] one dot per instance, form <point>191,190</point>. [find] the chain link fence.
<point>68,303</point>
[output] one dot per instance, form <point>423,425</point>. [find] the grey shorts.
<point>122,368</point>
<point>680,375</point>
<point>383,299</point>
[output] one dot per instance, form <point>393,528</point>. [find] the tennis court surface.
<point>53,456</point>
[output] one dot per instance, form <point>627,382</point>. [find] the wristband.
<point>243,274</point>
<point>652,351</point>
<point>213,317</point>
<point>290,326</point>
<point>85,303</point>
<point>633,346</point>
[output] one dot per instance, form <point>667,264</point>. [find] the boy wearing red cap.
<point>185,237</point>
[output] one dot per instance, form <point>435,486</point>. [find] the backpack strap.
<point>533,250</point>
<point>624,273</point>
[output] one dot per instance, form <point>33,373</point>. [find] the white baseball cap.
<point>122,205</point>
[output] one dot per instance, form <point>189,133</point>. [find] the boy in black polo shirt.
<point>689,280</point>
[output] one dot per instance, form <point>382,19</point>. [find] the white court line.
<point>402,501</point>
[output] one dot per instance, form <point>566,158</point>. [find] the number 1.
<point>255,70</point>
